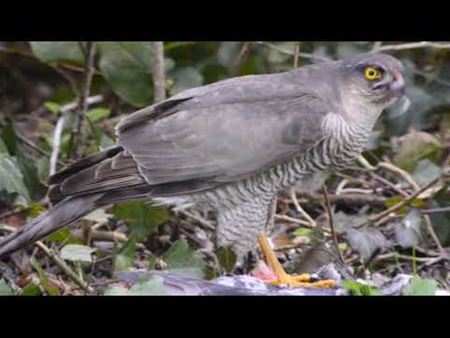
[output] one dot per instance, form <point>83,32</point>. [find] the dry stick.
<point>288,52</point>
<point>293,220</point>
<point>394,208</point>
<point>240,60</point>
<point>389,184</point>
<point>399,172</point>
<point>82,103</point>
<point>296,54</point>
<point>64,267</point>
<point>56,144</point>
<point>348,199</point>
<point>293,195</point>
<point>331,222</point>
<point>159,81</point>
<point>58,261</point>
<point>413,45</point>
<point>60,127</point>
<point>407,177</point>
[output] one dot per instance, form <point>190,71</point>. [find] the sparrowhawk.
<point>230,146</point>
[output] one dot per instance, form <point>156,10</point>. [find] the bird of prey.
<point>231,146</point>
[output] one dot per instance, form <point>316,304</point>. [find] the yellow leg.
<point>303,280</point>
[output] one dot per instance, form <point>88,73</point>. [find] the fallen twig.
<point>331,223</point>
<point>412,45</point>
<point>82,103</point>
<point>159,81</point>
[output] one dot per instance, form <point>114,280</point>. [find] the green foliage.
<point>180,258</point>
<point>5,290</point>
<point>58,52</point>
<point>77,253</point>
<point>227,258</point>
<point>142,218</point>
<point>146,286</point>
<point>48,286</point>
<point>360,289</point>
<point>420,287</point>
<point>11,179</point>
<point>123,260</point>
<point>416,146</point>
<point>128,68</point>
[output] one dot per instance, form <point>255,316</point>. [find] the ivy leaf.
<point>5,290</point>
<point>142,218</point>
<point>58,52</point>
<point>127,67</point>
<point>416,146</point>
<point>360,289</point>
<point>98,114</point>
<point>227,258</point>
<point>420,287</point>
<point>366,241</point>
<point>77,253</point>
<point>407,231</point>
<point>48,286</point>
<point>11,179</point>
<point>180,258</point>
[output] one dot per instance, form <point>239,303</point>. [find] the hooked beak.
<point>397,85</point>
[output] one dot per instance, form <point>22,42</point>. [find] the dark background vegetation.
<point>45,90</point>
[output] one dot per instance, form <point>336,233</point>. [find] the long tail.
<point>62,214</point>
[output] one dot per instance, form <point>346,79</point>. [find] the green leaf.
<point>124,258</point>
<point>11,179</point>
<point>408,230</point>
<point>420,287</point>
<point>304,232</point>
<point>366,241</point>
<point>359,289</point>
<point>416,146</point>
<point>127,67</point>
<point>5,290</point>
<point>3,147</point>
<point>186,78</point>
<point>142,218</point>
<point>227,258</point>
<point>48,286</point>
<point>52,106</point>
<point>31,290</point>
<point>63,236</point>
<point>98,114</point>
<point>180,258</point>
<point>58,51</point>
<point>77,253</point>
<point>98,216</point>
<point>148,286</point>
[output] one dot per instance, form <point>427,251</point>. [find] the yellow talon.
<point>283,278</point>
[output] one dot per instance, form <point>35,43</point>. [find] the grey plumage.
<point>231,146</point>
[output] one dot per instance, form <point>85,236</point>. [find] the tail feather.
<point>62,214</point>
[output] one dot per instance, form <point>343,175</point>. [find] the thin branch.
<point>300,210</point>
<point>244,53</point>
<point>288,52</point>
<point>159,81</point>
<point>399,205</point>
<point>345,199</point>
<point>413,45</point>
<point>296,54</point>
<point>57,260</point>
<point>82,103</point>
<point>56,144</point>
<point>293,220</point>
<point>331,223</point>
<point>399,172</point>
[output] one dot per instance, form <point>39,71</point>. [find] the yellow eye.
<point>372,73</point>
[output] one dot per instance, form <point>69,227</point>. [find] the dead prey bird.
<point>231,146</point>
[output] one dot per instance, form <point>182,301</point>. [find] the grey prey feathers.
<point>231,146</point>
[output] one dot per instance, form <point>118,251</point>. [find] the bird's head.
<point>373,79</point>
